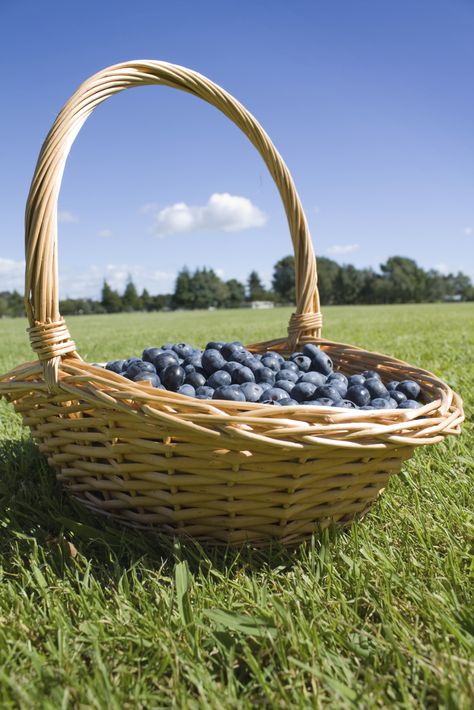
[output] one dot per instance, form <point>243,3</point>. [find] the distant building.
<point>455,297</point>
<point>262,304</point>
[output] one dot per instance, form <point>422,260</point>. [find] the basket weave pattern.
<point>219,471</point>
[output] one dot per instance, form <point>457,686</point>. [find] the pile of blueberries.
<point>228,371</point>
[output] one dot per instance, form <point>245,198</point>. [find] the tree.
<point>327,275</point>
<point>255,289</point>
<point>130,299</point>
<point>146,300</point>
<point>3,306</point>
<point>110,299</point>
<point>408,281</point>
<point>283,280</point>
<point>208,289</point>
<point>457,284</point>
<point>435,286</point>
<point>236,294</point>
<point>183,296</point>
<point>348,284</point>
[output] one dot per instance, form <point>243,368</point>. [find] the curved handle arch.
<point>48,333</point>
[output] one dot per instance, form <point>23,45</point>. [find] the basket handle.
<point>49,335</point>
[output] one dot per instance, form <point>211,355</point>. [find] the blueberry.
<point>316,378</point>
<point>271,362</point>
<point>287,402</point>
<point>409,404</point>
<point>290,365</point>
<point>399,397</point>
<point>136,367</point>
<point>115,366</point>
<point>251,362</point>
<point>265,374</point>
<point>339,383</point>
<point>188,369</point>
<point>271,402</point>
<point>347,404</point>
<point>212,360</point>
<point>327,391</point>
<point>303,363</point>
<point>392,385</point>
<point>188,390</point>
<point>231,366</point>
<point>236,395</point>
<point>131,360</point>
<point>243,374</point>
<point>215,345</point>
<point>195,379</point>
<point>220,378</point>
<point>173,377</point>
<point>147,377</point>
<point>279,357</point>
<point>241,356</point>
<point>228,350</point>
<point>274,393</point>
<point>287,375</point>
<point>356,380</point>
<point>204,392</point>
<point>286,385</point>
<point>376,388</point>
<point>265,385</point>
<point>183,350</point>
<point>337,376</point>
<point>320,362</point>
<point>367,406</point>
<point>252,392</point>
<point>195,359</point>
<point>320,402</point>
<point>165,360</point>
<point>149,354</point>
<point>311,350</point>
<point>358,394</point>
<point>167,346</point>
<point>371,373</point>
<point>302,391</point>
<point>409,388</point>
<point>381,403</point>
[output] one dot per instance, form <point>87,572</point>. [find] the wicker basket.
<point>219,471</point>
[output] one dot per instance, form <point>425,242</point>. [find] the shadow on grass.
<point>35,509</point>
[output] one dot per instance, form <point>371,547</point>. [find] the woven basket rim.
<point>445,407</point>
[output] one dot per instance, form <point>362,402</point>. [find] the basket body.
<point>229,473</point>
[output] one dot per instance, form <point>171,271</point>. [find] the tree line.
<point>400,280</point>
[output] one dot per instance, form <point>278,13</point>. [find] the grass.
<point>380,615</point>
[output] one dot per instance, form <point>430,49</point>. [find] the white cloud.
<point>89,283</point>
<point>104,233</point>
<point>468,231</point>
<point>223,212</point>
<point>342,249</point>
<point>67,217</point>
<point>12,275</point>
<point>442,268</point>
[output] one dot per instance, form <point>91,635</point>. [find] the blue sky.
<point>371,104</point>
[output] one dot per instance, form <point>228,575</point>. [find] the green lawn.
<point>381,615</point>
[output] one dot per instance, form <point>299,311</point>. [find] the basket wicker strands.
<point>219,471</point>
